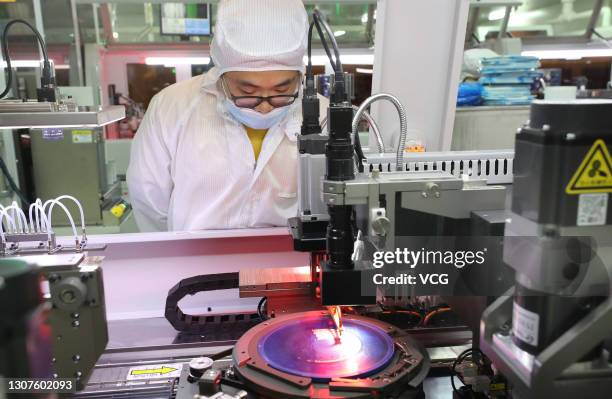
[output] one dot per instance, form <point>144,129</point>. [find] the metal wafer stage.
<point>298,356</point>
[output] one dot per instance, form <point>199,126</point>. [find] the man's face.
<point>263,84</point>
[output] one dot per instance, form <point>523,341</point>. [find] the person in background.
<point>219,151</point>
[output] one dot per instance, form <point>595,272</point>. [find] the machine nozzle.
<point>336,314</point>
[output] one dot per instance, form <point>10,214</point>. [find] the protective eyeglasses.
<point>279,101</point>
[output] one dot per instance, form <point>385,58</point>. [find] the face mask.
<point>256,120</point>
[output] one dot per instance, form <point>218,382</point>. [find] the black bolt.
<point>550,232</point>
<point>571,271</point>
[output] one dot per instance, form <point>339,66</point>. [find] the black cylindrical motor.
<point>538,318</point>
<point>563,141</point>
<point>562,179</point>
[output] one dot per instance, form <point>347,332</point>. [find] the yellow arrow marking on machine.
<point>162,370</point>
<point>594,175</point>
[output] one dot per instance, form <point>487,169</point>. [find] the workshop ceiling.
<point>136,21</point>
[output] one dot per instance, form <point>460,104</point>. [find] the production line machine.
<point>56,131</point>
<point>545,337</point>
<point>299,345</point>
<point>538,319</point>
<point>327,351</point>
<point>317,335</point>
<point>548,334</point>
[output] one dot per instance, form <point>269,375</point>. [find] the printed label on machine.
<point>592,209</point>
<point>594,175</point>
<point>147,371</point>
<point>525,325</point>
<point>54,134</point>
<point>82,136</point>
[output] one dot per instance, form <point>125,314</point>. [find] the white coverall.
<point>192,165</point>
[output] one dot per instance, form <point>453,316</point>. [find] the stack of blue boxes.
<point>508,80</point>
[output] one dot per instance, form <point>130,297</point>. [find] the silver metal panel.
<point>494,166</point>
<point>441,156</point>
<point>311,169</point>
<point>18,106</point>
<point>64,166</point>
<point>457,204</point>
<point>14,120</point>
<point>535,254</point>
<point>26,237</point>
<point>418,177</point>
<point>523,361</point>
<point>357,192</point>
<point>50,262</point>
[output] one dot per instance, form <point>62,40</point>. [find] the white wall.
<point>418,56</point>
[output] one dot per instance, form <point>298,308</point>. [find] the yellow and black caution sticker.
<point>497,386</point>
<point>154,371</point>
<point>594,175</point>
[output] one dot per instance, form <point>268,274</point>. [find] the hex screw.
<point>67,296</point>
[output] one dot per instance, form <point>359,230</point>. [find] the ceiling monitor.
<point>185,19</point>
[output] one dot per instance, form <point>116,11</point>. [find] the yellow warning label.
<point>161,370</point>
<point>499,386</point>
<point>154,371</point>
<point>82,136</point>
<point>594,175</point>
